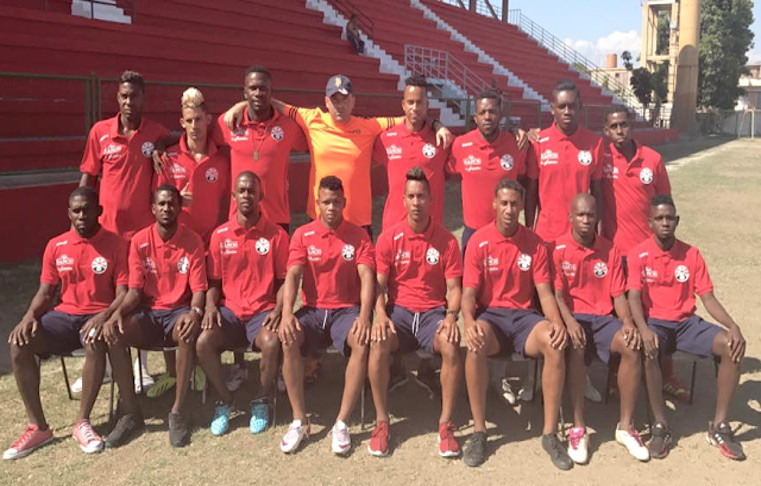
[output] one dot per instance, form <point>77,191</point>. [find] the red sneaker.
<point>447,443</point>
<point>30,440</point>
<point>89,440</point>
<point>379,440</point>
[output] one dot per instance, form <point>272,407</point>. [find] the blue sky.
<point>597,27</point>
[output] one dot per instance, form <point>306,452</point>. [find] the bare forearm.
<point>621,306</point>
<point>366,293</point>
<point>121,293</point>
<point>637,313</point>
<point>717,311</point>
<point>531,202</point>
<point>290,288</point>
<point>198,300</point>
<point>454,300</point>
<point>87,180</point>
<point>40,303</point>
<point>130,302</point>
<point>212,295</point>
<point>468,305</point>
<point>565,312</point>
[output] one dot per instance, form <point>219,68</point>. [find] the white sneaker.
<point>237,376</point>
<point>76,387</point>
<point>591,392</point>
<point>633,443</point>
<point>341,438</point>
<point>578,445</point>
<point>147,378</point>
<point>296,433</point>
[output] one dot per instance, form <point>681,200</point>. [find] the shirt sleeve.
<point>214,259</point>
<point>453,267</point>
<point>49,273</point>
<point>91,163</point>
<point>281,254</point>
<point>472,270</point>
<point>703,283</point>
<point>302,116</point>
<point>366,252</point>
<point>198,281</point>
<point>541,266</point>
<point>617,280</point>
<point>121,272</point>
<point>532,164</point>
<point>297,254</point>
<point>597,171</point>
<point>383,254</point>
<point>380,156</point>
<point>663,184</point>
<point>136,269</point>
<point>634,280</point>
<point>385,122</point>
<point>218,132</point>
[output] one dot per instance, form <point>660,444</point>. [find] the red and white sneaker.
<point>89,440</point>
<point>448,446</point>
<point>578,445</point>
<point>33,438</point>
<point>379,440</point>
<point>296,433</point>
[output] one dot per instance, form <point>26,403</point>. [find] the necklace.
<point>264,137</point>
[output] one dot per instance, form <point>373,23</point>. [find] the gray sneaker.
<point>179,435</point>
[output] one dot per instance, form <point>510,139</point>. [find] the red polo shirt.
<point>564,166</point>
<point>126,173</point>
<point>668,280</point>
<point>588,277</point>
<point>400,149</point>
<point>248,262</point>
<point>208,180</point>
<point>88,269</point>
<point>482,165</point>
<point>627,188</point>
<point>168,272</point>
<point>263,148</point>
<point>418,264</point>
<point>330,259</point>
<point>505,270</point>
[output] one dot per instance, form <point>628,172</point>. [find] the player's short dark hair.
<point>86,192</point>
<point>167,188</point>
<point>258,69</point>
<point>248,173</point>
<point>566,85</point>
<point>511,184</point>
<point>660,199</point>
<point>490,94</point>
<point>134,78</point>
<point>617,109</point>
<point>331,183</point>
<point>416,174</point>
<point>417,80</point>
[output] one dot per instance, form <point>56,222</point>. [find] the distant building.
<point>752,85</point>
<point>613,71</point>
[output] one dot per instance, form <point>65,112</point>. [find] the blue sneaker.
<point>260,416</point>
<point>221,421</point>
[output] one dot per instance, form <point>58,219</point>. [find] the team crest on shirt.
<point>600,269</point>
<point>506,162</point>
<point>524,262</point>
<point>262,246</point>
<point>183,264</point>
<point>212,174</point>
<point>347,252</point>
<point>99,265</point>
<point>646,176</point>
<point>682,273</point>
<point>432,256</point>
<point>585,157</point>
<point>147,148</point>
<point>429,151</point>
<point>277,133</point>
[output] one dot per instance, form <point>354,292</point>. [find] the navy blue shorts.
<point>323,327</point>
<point>61,332</point>
<point>157,325</point>
<point>239,333</point>
<point>599,331</point>
<point>512,327</point>
<point>694,336</point>
<point>416,330</point>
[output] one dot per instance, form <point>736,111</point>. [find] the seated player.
<point>665,274</point>
<point>504,262</point>
<point>90,264</point>
<point>246,268</point>
<point>589,284</point>
<point>418,272</point>
<point>163,308</point>
<point>335,262</point>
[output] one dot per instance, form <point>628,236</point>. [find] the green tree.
<point>664,33</point>
<point>725,38</point>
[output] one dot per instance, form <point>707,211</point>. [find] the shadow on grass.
<point>674,151</point>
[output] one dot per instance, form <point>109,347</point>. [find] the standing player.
<point>483,157</point>
<point>418,300</point>
<point>246,267</point>
<point>504,264</point>
<point>90,264</point>
<point>334,261</point>
<point>163,307</point>
<point>665,275</point>
<point>589,284</point>
<point>198,169</point>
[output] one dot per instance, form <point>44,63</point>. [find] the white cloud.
<point>614,43</point>
<point>754,55</point>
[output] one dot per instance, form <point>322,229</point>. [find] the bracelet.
<point>197,310</point>
<point>453,312</point>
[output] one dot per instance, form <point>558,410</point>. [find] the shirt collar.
<point>497,237</point>
<point>562,136</point>
<point>657,251</point>
<point>171,242</point>
<point>570,240</point>
<point>77,239</point>
<point>211,147</point>
<point>114,129</point>
<point>322,231</point>
<point>482,142</point>
<point>637,152</point>
<point>403,131</point>
<point>253,124</point>
<point>427,234</point>
<point>258,227</point>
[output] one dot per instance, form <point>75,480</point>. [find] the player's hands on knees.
<point>187,327</point>
<point>475,336</point>
<point>22,334</point>
<point>736,344</point>
<point>289,329</point>
<point>444,137</point>
<point>272,320</point>
<point>559,335</point>
<point>382,327</point>
<point>650,342</point>
<point>361,328</point>
<point>93,328</point>
<point>632,337</point>
<point>211,317</point>
<point>448,327</point>
<point>576,333</point>
<point>113,327</point>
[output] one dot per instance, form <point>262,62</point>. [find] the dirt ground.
<point>715,182</point>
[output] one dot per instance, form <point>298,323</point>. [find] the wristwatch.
<point>197,310</point>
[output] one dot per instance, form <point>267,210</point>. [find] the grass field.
<point>715,183</point>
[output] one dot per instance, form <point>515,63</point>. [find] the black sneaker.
<point>474,450</point>
<point>430,381</point>
<point>398,377</point>
<point>179,435</point>
<point>557,452</point>
<point>721,436</point>
<point>128,427</point>
<point>660,441</point>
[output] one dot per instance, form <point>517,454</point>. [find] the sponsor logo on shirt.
<point>112,151</point>
<point>600,269</point>
<point>646,176</point>
<point>99,265</point>
<point>649,275</point>
<point>402,257</point>
<point>183,264</point>
<point>429,151</point>
<point>548,157</point>
<point>64,263</point>
<point>471,163</point>
<point>492,264</point>
<point>506,162</point>
<point>682,273</point>
<point>262,246</point>
<point>524,262</point>
<point>177,171</point>
<point>277,133</point>
<point>239,134</point>
<point>569,269</point>
<point>393,152</point>
<point>585,157</point>
<point>228,247</point>
<point>147,149</point>
<point>347,252</point>
<point>432,256</point>
<point>212,174</point>
<point>314,254</point>
<point>609,171</point>
<point>149,266</point>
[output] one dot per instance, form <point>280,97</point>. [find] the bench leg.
<point>66,378</point>
<point>692,381</point>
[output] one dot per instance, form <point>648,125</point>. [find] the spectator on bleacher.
<point>352,35</point>
<point>90,264</point>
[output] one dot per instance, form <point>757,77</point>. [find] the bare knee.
<point>450,352</point>
<point>268,343</point>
